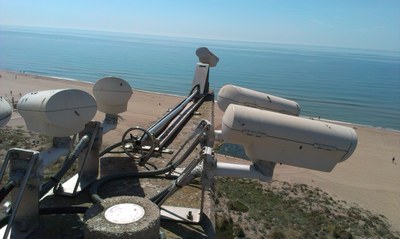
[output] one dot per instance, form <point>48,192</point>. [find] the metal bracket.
<point>183,214</point>
<point>201,78</point>
<point>25,210</point>
<point>88,163</point>
<point>110,123</point>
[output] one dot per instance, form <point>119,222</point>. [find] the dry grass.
<point>283,210</point>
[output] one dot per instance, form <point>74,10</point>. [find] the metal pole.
<point>20,193</point>
<point>167,134</point>
<point>156,128</point>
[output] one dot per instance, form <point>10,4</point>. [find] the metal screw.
<point>190,216</point>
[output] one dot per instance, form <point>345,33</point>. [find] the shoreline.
<point>23,73</point>
<point>92,83</point>
<point>368,178</point>
<point>346,123</point>
<point>352,124</point>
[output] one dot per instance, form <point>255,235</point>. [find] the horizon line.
<point>201,38</point>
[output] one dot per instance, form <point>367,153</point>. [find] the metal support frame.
<point>24,218</point>
<point>27,166</point>
<point>110,122</point>
<point>201,78</point>
<point>88,163</point>
<point>183,214</point>
<point>165,128</point>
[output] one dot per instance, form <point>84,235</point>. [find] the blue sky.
<point>369,24</point>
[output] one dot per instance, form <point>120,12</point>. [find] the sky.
<point>367,24</point>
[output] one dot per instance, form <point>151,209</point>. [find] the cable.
<point>159,196</point>
<point>4,220</point>
<point>146,174</point>
<point>172,164</point>
<point>67,165</point>
<point>195,89</point>
<point>7,189</point>
<point>50,211</point>
<point>109,148</point>
<point>63,210</point>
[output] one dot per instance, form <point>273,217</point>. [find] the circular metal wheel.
<point>138,144</point>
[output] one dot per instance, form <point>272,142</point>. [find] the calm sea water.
<point>349,85</point>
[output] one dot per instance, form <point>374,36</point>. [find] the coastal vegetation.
<point>250,209</point>
<point>18,137</point>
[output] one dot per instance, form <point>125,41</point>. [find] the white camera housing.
<point>5,112</point>
<point>272,137</point>
<point>57,113</point>
<point>112,95</point>
<point>231,94</point>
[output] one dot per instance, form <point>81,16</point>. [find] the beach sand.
<point>368,178</point>
<point>144,108</point>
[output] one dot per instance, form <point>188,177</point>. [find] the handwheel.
<point>138,144</point>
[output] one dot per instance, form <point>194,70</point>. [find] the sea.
<point>341,84</point>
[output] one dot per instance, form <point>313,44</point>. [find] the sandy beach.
<point>368,178</point>
<point>144,108</point>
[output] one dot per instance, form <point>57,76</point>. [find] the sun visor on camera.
<point>230,94</point>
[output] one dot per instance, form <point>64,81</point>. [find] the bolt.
<point>190,216</point>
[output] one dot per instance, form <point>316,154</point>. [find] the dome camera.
<point>112,95</point>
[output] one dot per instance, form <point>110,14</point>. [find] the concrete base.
<point>99,226</point>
